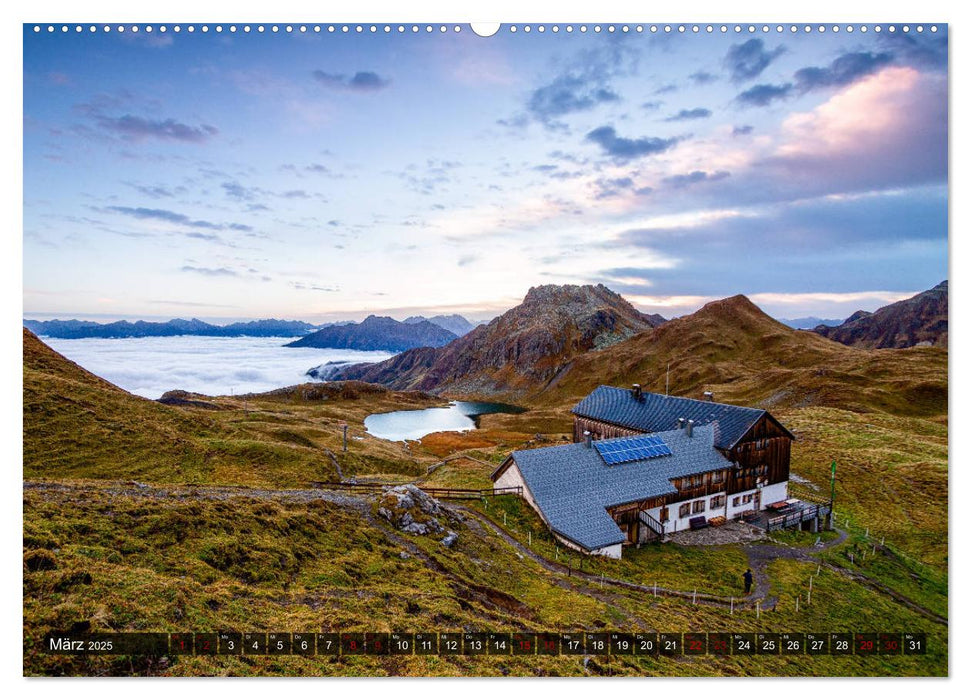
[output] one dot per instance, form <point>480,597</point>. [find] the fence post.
<point>731,609</point>
<point>655,589</point>
<point>797,603</point>
<point>694,597</point>
<point>758,609</point>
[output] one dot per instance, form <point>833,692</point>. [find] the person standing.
<point>747,576</point>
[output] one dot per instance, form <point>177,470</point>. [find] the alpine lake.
<point>414,425</point>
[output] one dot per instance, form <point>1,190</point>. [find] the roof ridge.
<point>683,398</point>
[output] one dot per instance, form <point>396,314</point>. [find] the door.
<point>664,514</point>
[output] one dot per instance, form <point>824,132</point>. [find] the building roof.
<point>573,486</point>
<point>658,412</point>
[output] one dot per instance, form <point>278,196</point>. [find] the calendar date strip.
<point>330,644</point>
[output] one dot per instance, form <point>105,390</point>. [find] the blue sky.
<point>323,176</point>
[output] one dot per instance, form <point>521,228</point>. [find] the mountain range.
<point>562,342</point>
<point>459,325</point>
<point>523,348</point>
<point>373,336</point>
<point>807,323</point>
<point>920,320</point>
<point>264,328</point>
<point>378,333</point>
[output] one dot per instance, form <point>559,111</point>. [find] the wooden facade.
<point>599,430</point>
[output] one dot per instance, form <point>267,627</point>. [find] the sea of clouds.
<point>215,366</point>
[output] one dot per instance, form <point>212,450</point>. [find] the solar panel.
<point>632,449</point>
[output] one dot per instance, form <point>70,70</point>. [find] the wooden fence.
<point>433,491</point>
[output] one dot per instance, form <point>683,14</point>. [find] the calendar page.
<point>524,349</point>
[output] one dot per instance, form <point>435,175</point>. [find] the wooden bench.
<point>698,522</point>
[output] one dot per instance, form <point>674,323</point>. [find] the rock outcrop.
<point>412,510</point>
<point>520,351</point>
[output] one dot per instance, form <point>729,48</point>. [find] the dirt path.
<point>760,555</point>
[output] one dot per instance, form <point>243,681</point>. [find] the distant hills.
<point>266,328</point>
<point>459,325</point>
<point>378,333</point>
<point>807,323</point>
<point>523,348</point>
<point>920,320</point>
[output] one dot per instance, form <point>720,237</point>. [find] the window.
<point>762,470</point>
<point>717,502</point>
<point>747,498</point>
<point>717,477</point>
<point>736,502</point>
<point>698,506</point>
<point>685,510</point>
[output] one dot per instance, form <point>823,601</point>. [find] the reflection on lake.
<point>413,425</point>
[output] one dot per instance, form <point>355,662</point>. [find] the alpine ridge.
<point>516,352</point>
<point>920,320</point>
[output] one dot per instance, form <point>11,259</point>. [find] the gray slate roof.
<point>657,412</point>
<point>573,486</point>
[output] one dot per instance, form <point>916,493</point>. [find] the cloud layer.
<point>215,366</point>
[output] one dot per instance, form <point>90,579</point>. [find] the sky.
<point>326,176</point>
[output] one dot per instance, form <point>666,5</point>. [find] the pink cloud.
<point>886,130</point>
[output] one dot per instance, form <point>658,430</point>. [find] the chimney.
<point>635,391</point>
<point>688,430</point>
<point>680,423</point>
<point>709,396</point>
<point>587,440</point>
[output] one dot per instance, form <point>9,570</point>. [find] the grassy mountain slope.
<point>79,425</point>
<point>121,559</point>
<point>731,347</point>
